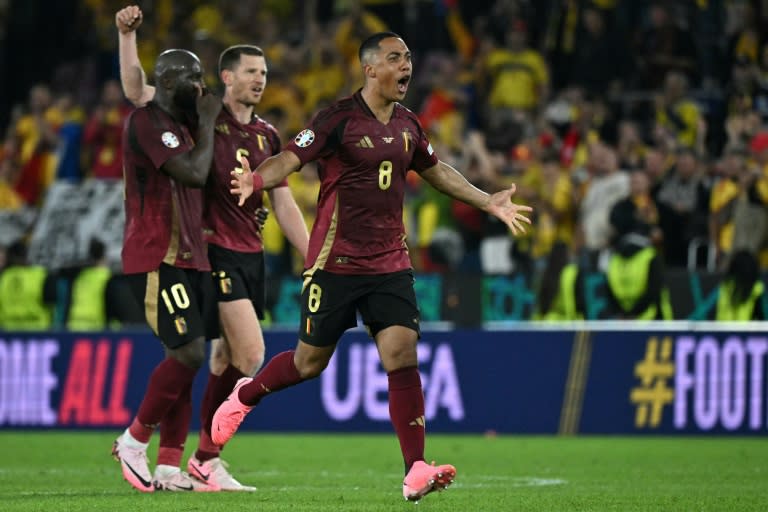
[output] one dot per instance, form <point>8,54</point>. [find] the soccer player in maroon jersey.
<point>235,249</point>
<point>358,259</point>
<point>168,149</point>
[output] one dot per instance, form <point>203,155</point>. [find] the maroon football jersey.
<point>227,224</point>
<point>163,218</point>
<point>362,165</point>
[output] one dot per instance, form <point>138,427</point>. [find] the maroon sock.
<point>168,380</point>
<point>174,428</point>
<point>219,388</point>
<point>206,449</point>
<point>406,410</point>
<point>279,373</point>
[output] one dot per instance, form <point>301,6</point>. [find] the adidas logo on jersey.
<point>222,128</point>
<point>365,142</point>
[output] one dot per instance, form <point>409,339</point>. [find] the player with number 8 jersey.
<point>362,165</point>
<point>357,260</point>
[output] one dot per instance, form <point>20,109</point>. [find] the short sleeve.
<point>318,139</point>
<point>424,156</point>
<point>159,143</point>
<point>274,141</point>
<point>276,148</point>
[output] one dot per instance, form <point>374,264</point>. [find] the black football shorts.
<point>178,304</point>
<point>330,303</point>
<point>238,275</point>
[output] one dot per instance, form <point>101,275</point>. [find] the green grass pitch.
<point>72,471</point>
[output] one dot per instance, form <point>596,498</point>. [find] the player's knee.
<point>218,361</point>
<point>311,368</point>
<point>194,359</point>
<point>192,354</point>
<point>249,361</point>
<point>399,356</point>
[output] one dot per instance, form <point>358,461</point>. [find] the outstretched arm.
<point>132,76</point>
<point>449,181</point>
<point>271,172</point>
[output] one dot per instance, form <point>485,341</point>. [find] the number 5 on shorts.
<point>313,297</point>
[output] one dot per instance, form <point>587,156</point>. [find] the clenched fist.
<point>128,19</point>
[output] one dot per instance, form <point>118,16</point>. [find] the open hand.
<point>242,184</point>
<point>513,215</point>
<point>128,19</point>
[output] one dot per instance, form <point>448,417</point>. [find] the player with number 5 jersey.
<point>358,258</point>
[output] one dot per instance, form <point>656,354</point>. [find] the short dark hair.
<point>96,249</point>
<point>16,254</point>
<point>230,57</point>
<point>372,43</point>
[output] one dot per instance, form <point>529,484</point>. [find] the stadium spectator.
<point>582,121</point>
<point>630,147</point>
<point>440,247</point>
<point>743,45</point>
<point>234,243</point>
<point>103,133</point>
<point>442,109</point>
<point>601,59</point>
<point>725,195</point>
<point>677,115</point>
<point>606,186</point>
<point>750,216</point>
<point>31,145</point>
<point>70,138</point>
<point>664,46</point>
<point>683,204</point>
<point>741,293</point>
<point>167,163</point>
<point>89,307</point>
<point>514,81</point>
<point>742,120</point>
<point>210,22</point>
<point>657,164</point>
<point>27,292</point>
<point>634,277</point>
<point>355,25</point>
<point>9,198</point>
<point>358,260</point>
<point>760,74</point>
<point>554,205</point>
<point>639,209</point>
<point>322,75</point>
<point>559,297</point>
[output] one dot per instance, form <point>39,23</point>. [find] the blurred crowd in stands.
<point>645,119</point>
